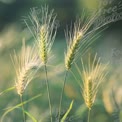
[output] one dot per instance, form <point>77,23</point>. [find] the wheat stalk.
<point>44,31</point>
<point>24,65</point>
<point>92,75</point>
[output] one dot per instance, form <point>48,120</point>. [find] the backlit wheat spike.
<point>25,66</point>
<point>93,74</point>
<point>43,29</point>
<point>42,43</point>
<point>74,38</point>
<point>47,34</point>
<point>88,92</point>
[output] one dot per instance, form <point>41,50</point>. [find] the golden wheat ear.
<point>43,30</point>
<point>79,33</point>
<point>26,65</point>
<point>93,74</point>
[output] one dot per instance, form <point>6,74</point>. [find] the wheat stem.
<point>89,115</point>
<point>24,116</point>
<point>48,92</point>
<point>61,97</point>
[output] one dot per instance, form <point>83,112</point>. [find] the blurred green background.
<point>108,47</point>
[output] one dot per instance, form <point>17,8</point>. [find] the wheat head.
<point>92,75</point>
<point>26,65</point>
<point>43,30</point>
<point>75,36</point>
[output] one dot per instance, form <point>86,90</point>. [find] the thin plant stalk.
<point>67,112</point>
<point>48,92</point>
<point>44,32</point>
<point>24,116</point>
<point>61,96</point>
<point>89,110</point>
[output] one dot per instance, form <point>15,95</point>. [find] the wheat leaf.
<point>67,112</point>
<point>7,90</point>
<point>18,105</point>
<point>29,115</point>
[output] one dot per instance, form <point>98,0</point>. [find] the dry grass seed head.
<point>74,37</point>
<point>44,30</point>
<point>26,64</point>
<point>92,75</point>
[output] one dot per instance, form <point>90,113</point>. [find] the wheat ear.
<point>42,43</point>
<point>75,36</point>
<point>43,30</point>
<point>24,65</point>
<point>92,75</point>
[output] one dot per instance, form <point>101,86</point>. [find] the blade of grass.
<point>18,105</point>
<point>30,116</point>
<point>67,112</point>
<point>7,90</point>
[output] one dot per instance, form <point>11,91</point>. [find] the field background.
<point>108,46</point>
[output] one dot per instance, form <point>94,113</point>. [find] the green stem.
<point>89,115</point>
<point>61,97</point>
<point>24,117</point>
<point>7,90</point>
<point>48,92</point>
